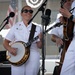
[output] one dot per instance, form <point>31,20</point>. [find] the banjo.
<point>23,52</point>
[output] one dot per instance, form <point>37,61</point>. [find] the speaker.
<point>2,56</point>
<point>5,69</point>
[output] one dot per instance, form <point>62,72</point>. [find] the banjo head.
<point>21,56</point>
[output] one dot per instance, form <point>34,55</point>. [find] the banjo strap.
<point>33,28</point>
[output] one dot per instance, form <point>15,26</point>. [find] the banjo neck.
<point>35,38</point>
<point>30,42</point>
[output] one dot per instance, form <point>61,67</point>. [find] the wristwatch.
<point>72,17</point>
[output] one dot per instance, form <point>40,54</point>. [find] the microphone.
<point>12,14</point>
<point>48,12</point>
<point>46,17</point>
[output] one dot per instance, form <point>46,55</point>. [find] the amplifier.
<point>5,69</point>
<point>2,56</point>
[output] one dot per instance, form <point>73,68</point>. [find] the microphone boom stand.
<point>43,44</point>
<point>43,55</point>
<point>1,27</point>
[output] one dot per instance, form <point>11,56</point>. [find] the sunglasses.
<point>26,11</point>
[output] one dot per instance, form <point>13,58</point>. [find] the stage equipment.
<point>6,20</point>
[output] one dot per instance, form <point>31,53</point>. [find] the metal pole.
<point>19,9</point>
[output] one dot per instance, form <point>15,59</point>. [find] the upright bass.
<point>68,27</point>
